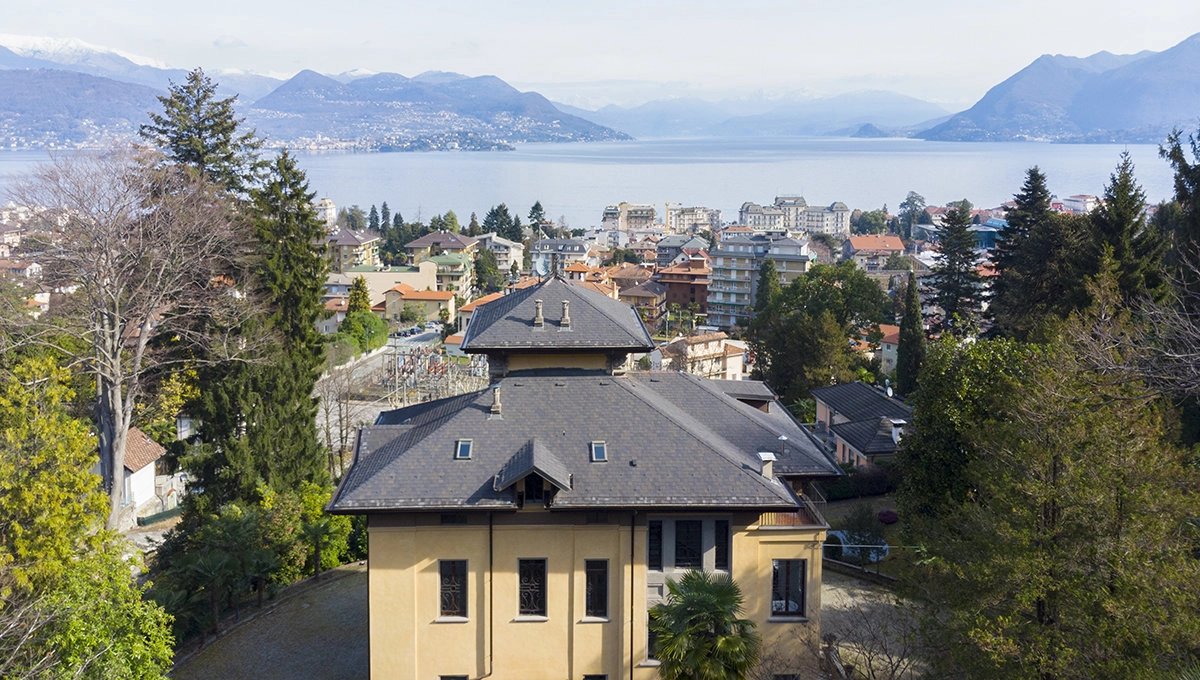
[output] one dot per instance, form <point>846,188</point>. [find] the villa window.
<point>599,451</point>
<point>654,557</point>
<point>596,587</point>
<point>535,489</point>
<point>453,587</point>
<point>532,575</point>
<point>721,540</point>
<point>462,449</point>
<point>787,588</point>
<point>688,551</point>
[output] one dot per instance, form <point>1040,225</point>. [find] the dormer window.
<point>462,449</point>
<point>599,451</point>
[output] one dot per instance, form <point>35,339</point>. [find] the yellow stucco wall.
<point>408,642</point>
<point>517,362</point>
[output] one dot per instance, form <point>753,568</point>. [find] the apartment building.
<point>347,249</point>
<point>555,254</point>
<point>735,265</point>
<point>506,252</point>
<point>691,219</point>
<point>628,216</point>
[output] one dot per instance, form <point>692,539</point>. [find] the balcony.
<point>806,516</point>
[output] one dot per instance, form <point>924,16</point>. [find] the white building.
<point>505,251</point>
<point>760,217</point>
<point>555,254</point>
<point>691,219</point>
<point>628,216</point>
<point>326,212</point>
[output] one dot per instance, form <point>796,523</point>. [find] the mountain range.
<point>792,116</point>
<point>1106,97</point>
<point>64,93</point>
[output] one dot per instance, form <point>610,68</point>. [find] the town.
<point>248,431</point>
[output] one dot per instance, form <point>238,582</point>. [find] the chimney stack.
<point>538,319</point>
<point>767,459</point>
<point>496,401</point>
<point>566,317</point>
<point>897,430</point>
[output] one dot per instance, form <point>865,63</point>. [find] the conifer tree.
<point>259,418</point>
<point>360,296</point>
<point>537,214</point>
<point>487,272</point>
<point>373,219</point>
<point>955,280</point>
<point>385,216</point>
<point>1070,555</point>
<point>768,286</point>
<point>473,228</point>
<point>911,352</point>
<point>1011,292</point>
<point>201,131</point>
<point>1187,188</point>
<point>1119,227</point>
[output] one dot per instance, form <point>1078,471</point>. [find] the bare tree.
<point>340,412</point>
<point>148,257</point>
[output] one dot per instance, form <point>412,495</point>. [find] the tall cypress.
<point>768,286</point>
<point>911,352</point>
<point>955,280</point>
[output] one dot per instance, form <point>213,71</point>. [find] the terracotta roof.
<point>140,450</point>
<point>877,242</point>
<point>338,304</point>
<point>477,302</point>
<point>439,295</point>
<point>455,339</point>
<point>402,288</point>
<point>577,267</point>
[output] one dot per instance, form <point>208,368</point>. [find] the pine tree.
<point>768,287</point>
<point>450,222</point>
<point>360,296</point>
<point>499,221</point>
<point>955,279</point>
<point>911,352</point>
<point>373,219</point>
<point>202,132</point>
<point>259,418</point>
<point>1119,227</point>
<point>385,216</point>
<point>473,228</point>
<point>1011,294</point>
<point>1070,555</point>
<point>488,277</point>
<point>537,214</point>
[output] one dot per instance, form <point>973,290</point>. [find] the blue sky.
<point>627,51</point>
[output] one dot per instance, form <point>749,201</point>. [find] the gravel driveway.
<point>320,634</point>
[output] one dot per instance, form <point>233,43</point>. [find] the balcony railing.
<point>806,515</point>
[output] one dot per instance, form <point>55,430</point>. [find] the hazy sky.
<point>627,51</point>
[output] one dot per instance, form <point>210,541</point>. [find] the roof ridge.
<point>685,422</point>
<point>615,321</point>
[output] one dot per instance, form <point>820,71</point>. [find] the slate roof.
<point>744,389</point>
<point>859,401</point>
<point>673,441</point>
<point>597,321</point>
<point>533,457</point>
<point>868,437</point>
<point>441,239</point>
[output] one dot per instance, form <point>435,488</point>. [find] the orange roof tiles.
<point>877,242</point>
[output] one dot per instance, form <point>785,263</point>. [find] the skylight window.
<point>462,449</point>
<point>599,452</point>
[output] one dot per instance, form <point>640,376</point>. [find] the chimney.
<point>538,319</point>
<point>566,317</point>
<point>897,430</point>
<point>767,459</point>
<point>496,401</point>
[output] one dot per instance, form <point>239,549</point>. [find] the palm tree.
<point>698,635</point>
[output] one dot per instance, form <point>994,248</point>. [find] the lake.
<point>576,181</point>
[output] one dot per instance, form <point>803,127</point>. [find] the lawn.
<point>837,513</point>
